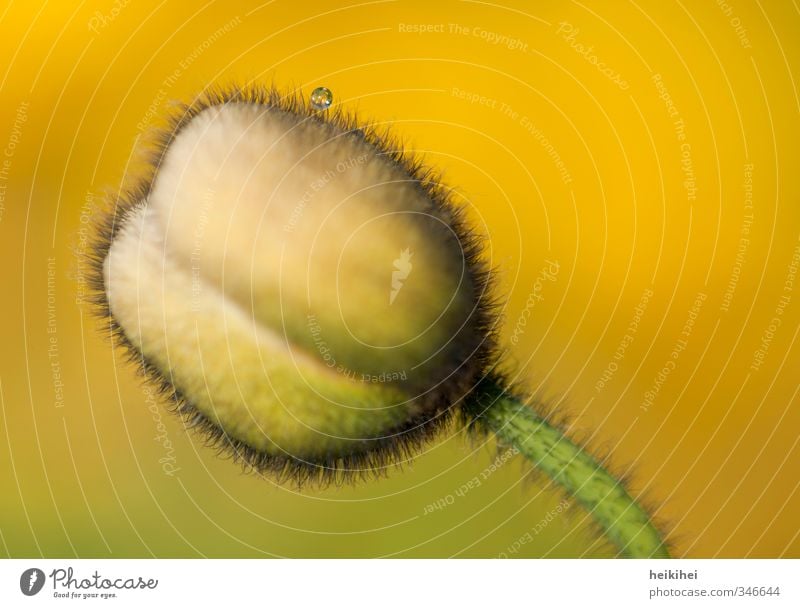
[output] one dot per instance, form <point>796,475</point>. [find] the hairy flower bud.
<point>307,293</point>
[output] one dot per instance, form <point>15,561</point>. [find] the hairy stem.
<point>624,521</point>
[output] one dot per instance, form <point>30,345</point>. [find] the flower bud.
<point>306,292</point>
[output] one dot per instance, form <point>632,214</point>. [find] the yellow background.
<point>715,453</point>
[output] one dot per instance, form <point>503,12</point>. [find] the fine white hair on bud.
<point>304,292</point>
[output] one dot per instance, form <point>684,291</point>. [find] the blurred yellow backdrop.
<point>644,150</point>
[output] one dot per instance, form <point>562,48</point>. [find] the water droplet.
<point>321,98</point>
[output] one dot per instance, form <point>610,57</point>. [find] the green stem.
<point>623,520</point>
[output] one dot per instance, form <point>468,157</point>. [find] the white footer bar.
<point>399,583</point>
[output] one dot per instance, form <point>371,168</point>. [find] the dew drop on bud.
<point>321,98</point>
